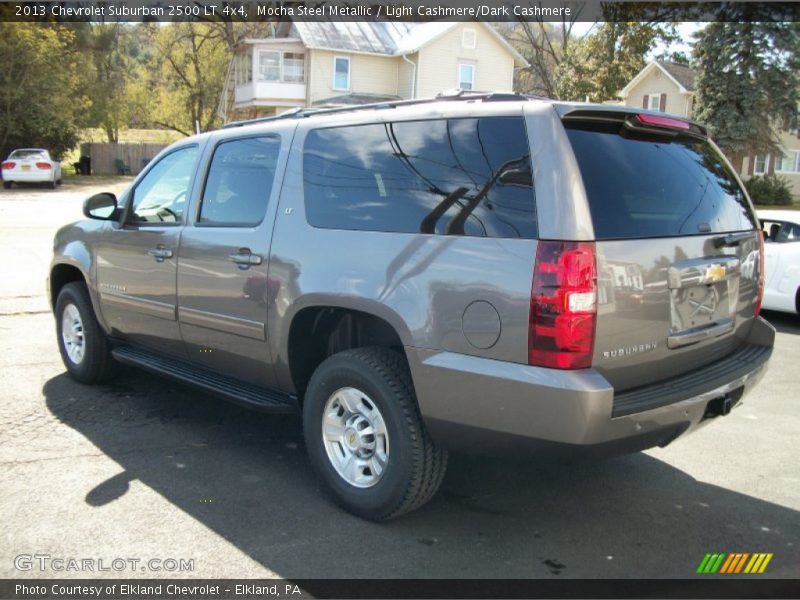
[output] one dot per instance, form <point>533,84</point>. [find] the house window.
<point>269,65</point>
<point>274,65</point>
<point>760,165</point>
<point>466,77</point>
<point>468,38</point>
<point>244,68</point>
<point>294,66</point>
<point>654,102</point>
<point>788,162</point>
<point>341,73</point>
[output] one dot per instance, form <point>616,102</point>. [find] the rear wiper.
<point>732,239</point>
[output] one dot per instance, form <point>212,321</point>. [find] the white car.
<point>31,165</point>
<point>782,256</point>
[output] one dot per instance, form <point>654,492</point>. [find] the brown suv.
<point>480,272</point>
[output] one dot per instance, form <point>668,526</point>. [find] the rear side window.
<point>656,188</point>
<point>239,182</point>
<point>452,177</point>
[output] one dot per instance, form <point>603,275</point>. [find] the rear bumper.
<point>486,406</point>
<point>29,176</point>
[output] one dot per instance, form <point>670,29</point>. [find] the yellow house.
<point>669,87</point>
<point>339,63</point>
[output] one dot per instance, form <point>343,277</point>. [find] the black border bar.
<point>164,11</point>
<point>226,589</point>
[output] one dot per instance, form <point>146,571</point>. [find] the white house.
<point>334,63</point>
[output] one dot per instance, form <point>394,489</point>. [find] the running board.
<point>247,395</point>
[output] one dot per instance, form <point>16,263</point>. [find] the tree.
<point>596,65</point>
<point>191,62</point>
<point>748,84</point>
<point>40,98</point>
<point>544,45</point>
<point>116,84</point>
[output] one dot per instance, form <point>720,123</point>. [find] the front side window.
<point>239,181</point>
<point>160,197</point>
<point>450,177</point>
<point>466,77</point>
<point>341,73</point>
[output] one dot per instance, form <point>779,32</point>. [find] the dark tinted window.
<point>655,188</point>
<point>456,177</point>
<point>239,181</point>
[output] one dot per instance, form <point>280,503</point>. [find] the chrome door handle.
<point>160,253</point>
<point>245,259</point>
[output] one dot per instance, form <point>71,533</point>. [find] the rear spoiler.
<point>639,121</point>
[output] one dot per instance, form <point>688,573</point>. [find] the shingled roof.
<point>683,74</point>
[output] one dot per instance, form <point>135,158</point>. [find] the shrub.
<point>769,190</point>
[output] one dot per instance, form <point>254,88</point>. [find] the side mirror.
<point>102,206</point>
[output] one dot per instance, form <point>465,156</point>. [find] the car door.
<point>137,261</point>
<point>223,284</point>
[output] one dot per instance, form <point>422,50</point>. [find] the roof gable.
<point>681,75</point>
<point>385,38</point>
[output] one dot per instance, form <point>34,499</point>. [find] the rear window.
<point>447,176</point>
<point>656,188</point>
<point>19,154</point>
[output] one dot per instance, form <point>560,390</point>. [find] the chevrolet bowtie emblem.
<point>715,273</point>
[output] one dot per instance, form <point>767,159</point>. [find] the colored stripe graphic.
<point>723,563</point>
<point>703,563</point>
<point>741,562</point>
<point>732,558</point>
<point>765,563</point>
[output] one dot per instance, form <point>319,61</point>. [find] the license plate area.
<point>25,167</point>
<point>703,299</point>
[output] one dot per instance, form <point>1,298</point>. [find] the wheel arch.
<point>318,331</point>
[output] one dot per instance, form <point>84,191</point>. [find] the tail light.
<point>659,121</point>
<point>44,166</point>
<point>8,165</point>
<point>563,305</point>
<point>761,268</point>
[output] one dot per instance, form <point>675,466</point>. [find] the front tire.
<point>83,344</point>
<point>365,436</point>
<point>7,185</point>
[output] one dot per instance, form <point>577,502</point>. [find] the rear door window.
<point>449,176</point>
<point>656,187</point>
<point>240,181</point>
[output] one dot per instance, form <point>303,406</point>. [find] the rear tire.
<point>364,401</point>
<point>7,185</point>
<point>83,345</point>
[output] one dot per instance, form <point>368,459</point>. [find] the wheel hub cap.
<point>72,333</point>
<point>355,438</point>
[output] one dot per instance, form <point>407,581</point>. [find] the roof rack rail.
<point>448,96</point>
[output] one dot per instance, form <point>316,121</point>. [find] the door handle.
<point>245,259</point>
<point>160,253</point>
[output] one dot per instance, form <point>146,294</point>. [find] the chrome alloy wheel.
<point>72,333</point>
<point>355,437</point>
